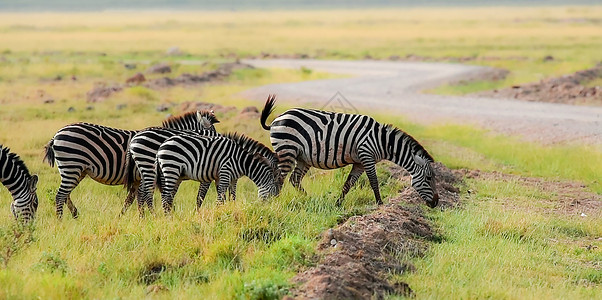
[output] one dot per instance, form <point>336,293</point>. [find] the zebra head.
<point>206,119</point>
<point>271,180</point>
<point>194,121</point>
<point>25,203</point>
<point>423,180</point>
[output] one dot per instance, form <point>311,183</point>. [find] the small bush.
<point>52,262</point>
<point>14,239</point>
<point>263,290</point>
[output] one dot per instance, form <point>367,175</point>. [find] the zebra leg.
<point>170,185</point>
<point>298,174</point>
<point>286,162</point>
<point>232,189</point>
<point>355,173</point>
<point>72,207</point>
<point>130,198</point>
<point>145,191</point>
<point>68,183</point>
<point>170,203</point>
<point>203,188</point>
<point>221,187</point>
<point>370,167</point>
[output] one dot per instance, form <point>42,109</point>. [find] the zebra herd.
<point>187,147</point>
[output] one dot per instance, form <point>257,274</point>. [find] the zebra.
<point>140,163</point>
<point>142,156</point>
<point>15,176</point>
<point>206,159</point>
<point>98,151</point>
<point>330,140</point>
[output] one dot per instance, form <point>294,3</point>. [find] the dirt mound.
<point>102,92</point>
<point>568,89</point>
<point>446,179</point>
<point>358,255</point>
<point>222,72</point>
<point>160,68</point>
<point>194,105</point>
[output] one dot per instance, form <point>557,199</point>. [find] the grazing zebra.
<point>100,152</point>
<point>140,163</point>
<point>21,185</point>
<point>206,159</point>
<point>329,140</point>
<point>142,156</point>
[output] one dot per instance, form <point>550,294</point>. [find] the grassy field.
<point>515,38</point>
<point>502,243</point>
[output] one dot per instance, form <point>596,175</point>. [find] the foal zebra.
<point>206,159</point>
<point>329,140</point>
<point>100,152</point>
<point>142,156</point>
<point>21,185</point>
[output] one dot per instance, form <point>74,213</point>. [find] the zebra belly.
<point>330,157</point>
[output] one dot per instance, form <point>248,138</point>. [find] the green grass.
<point>497,246</point>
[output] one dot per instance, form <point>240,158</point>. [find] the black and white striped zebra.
<point>85,149</point>
<point>140,163</point>
<point>328,140</point>
<point>15,176</point>
<point>206,159</point>
<point>142,157</point>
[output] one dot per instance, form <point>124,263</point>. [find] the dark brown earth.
<point>103,90</point>
<point>569,89</point>
<point>222,72</point>
<point>358,256</point>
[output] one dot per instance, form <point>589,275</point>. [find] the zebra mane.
<point>250,145</point>
<point>14,158</point>
<point>190,117</point>
<point>416,146</point>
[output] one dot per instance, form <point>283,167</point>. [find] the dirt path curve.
<point>395,87</point>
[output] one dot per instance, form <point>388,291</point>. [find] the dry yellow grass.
<point>379,31</point>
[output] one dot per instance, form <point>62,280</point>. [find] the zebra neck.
<point>253,169</point>
<point>16,190</point>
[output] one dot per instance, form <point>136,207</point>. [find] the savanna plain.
<point>515,235</point>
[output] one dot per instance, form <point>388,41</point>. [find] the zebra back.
<point>22,186</point>
<point>253,146</point>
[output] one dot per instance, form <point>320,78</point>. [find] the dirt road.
<point>395,87</point>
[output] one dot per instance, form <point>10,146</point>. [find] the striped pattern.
<point>141,163</point>
<point>142,156</point>
<point>85,149</point>
<point>305,138</point>
<point>21,185</point>
<point>206,159</point>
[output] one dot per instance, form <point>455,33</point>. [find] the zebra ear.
<point>33,182</point>
<point>205,122</point>
<point>419,160</point>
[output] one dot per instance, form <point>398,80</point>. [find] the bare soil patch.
<point>103,90</point>
<point>358,256</point>
<point>569,89</point>
<point>221,73</point>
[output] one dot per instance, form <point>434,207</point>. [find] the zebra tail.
<point>267,110</point>
<point>49,155</point>
<point>130,173</point>
<point>158,177</point>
